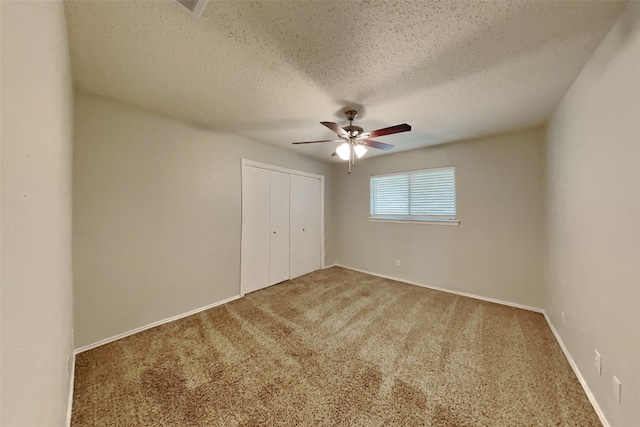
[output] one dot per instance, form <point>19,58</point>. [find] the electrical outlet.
<point>562,317</point>
<point>598,362</point>
<point>617,389</point>
<point>397,263</point>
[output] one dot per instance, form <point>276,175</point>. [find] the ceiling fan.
<point>355,140</point>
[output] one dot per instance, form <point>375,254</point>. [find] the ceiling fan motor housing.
<point>353,131</point>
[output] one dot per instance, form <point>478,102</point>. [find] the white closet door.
<point>305,225</point>
<point>279,262</point>
<point>254,270</point>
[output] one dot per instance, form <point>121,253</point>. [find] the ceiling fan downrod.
<point>354,132</point>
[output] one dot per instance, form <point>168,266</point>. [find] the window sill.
<point>454,222</point>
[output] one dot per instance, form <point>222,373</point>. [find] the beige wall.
<point>36,214</point>
<point>496,251</point>
<point>157,215</point>
<point>592,270</point>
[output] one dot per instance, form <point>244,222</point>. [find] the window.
<point>425,195</point>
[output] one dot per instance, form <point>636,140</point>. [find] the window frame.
<point>417,219</point>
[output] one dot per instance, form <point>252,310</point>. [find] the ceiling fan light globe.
<point>360,150</point>
<point>343,151</point>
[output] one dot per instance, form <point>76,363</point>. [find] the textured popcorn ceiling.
<point>272,70</point>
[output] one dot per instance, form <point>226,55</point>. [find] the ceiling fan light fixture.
<point>360,150</point>
<point>343,151</point>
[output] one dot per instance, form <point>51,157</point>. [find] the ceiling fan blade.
<point>335,153</point>
<point>388,131</point>
<point>376,144</point>
<point>336,128</point>
<point>313,142</point>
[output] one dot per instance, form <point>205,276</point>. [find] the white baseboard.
<point>572,363</point>
<point>152,325</point>
<point>72,376</point>
<point>576,371</point>
<point>464,294</point>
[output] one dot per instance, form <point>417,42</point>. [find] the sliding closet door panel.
<point>254,270</point>
<point>279,262</point>
<point>305,225</point>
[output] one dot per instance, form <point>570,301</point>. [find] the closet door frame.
<point>250,163</point>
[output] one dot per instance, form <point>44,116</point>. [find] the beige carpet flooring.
<point>336,347</point>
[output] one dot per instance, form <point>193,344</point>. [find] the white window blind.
<point>425,195</point>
